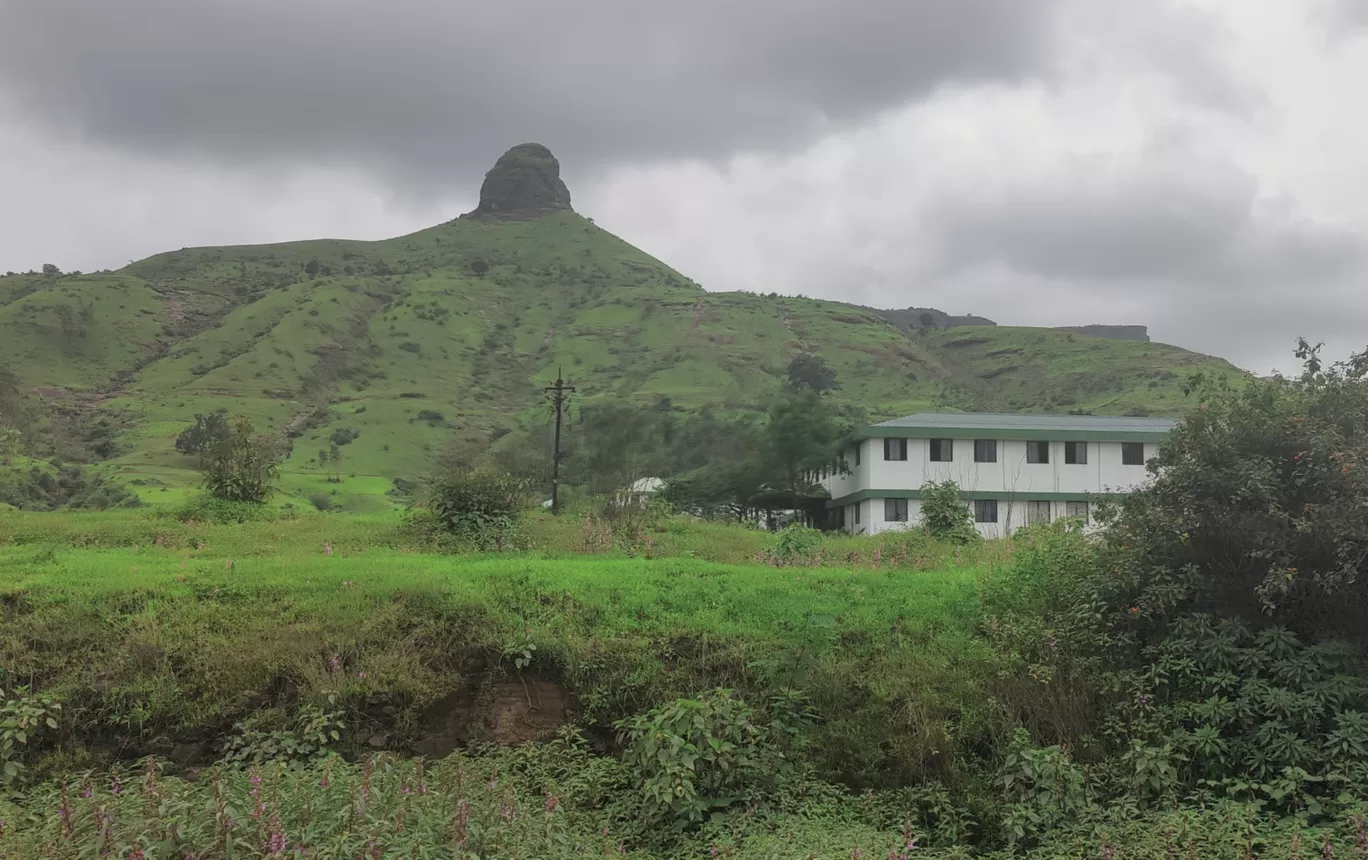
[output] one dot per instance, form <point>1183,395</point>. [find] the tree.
<point>207,431</point>
<point>804,435</point>
<point>613,444</point>
<point>9,444</point>
<point>807,370</point>
<point>311,268</point>
<point>241,466</point>
<point>335,457</point>
<point>926,319</point>
<point>51,269</point>
<point>1262,489</point>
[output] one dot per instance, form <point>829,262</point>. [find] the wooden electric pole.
<point>559,393</point>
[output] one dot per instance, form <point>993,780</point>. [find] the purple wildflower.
<point>116,786</point>
<point>327,548</point>
<point>552,803</point>
<point>276,844</point>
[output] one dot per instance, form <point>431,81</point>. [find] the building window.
<point>857,454</point>
<point>1076,510</point>
<point>985,510</point>
<point>1037,512</point>
<point>1037,452</point>
<point>985,450</point>
<point>942,450</point>
<point>895,449</point>
<point>1132,453</point>
<point>895,510</point>
<point>857,514</point>
<point>1076,453</point>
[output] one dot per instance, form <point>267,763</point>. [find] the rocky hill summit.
<point>524,183</point>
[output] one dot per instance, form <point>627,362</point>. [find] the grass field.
<point>171,632</point>
<point>164,640</point>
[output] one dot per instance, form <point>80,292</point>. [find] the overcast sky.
<point>1197,166</point>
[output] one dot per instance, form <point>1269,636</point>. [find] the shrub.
<point>945,516</point>
<point>208,430</point>
<point>694,757</point>
<point>431,416</point>
<point>796,543</point>
<point>344,436</point>
<point>205,508</point>
<point>480,506</point>
<point>241,467</point>
<point>307,737</point>
<point>322,501</point>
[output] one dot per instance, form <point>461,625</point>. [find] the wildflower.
<point>712,852</point>
<point>552,803</point>
<point>135,567</point>
<point>507,812</point>
<point>228,565</point>
<point>116,786</point>
<point>86,790</point>
<point>361,675</point>
<point>1053,643</point>
<point>405,789</point>
<point>1134,610</point>
<point>276,844</point>
<point>1108,851</point>
<point>327,548</point>
<point>335,663</point>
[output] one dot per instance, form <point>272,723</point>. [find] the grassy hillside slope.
<point>451,332</point>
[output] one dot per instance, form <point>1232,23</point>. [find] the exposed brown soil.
<point>506,712</point>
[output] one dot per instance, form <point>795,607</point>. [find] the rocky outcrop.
<point>1113,332</point>
<point>913,318</point>
<point>524,183</point>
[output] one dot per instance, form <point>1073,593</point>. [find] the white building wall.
<point>1103,473</point>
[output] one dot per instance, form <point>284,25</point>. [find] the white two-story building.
<point>1011,469</point>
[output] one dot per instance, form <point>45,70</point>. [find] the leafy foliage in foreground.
<point>1208,645</point>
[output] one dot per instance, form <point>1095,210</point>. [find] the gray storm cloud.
<point>432,91</point>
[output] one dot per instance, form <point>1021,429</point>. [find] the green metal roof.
<point>999,425</point>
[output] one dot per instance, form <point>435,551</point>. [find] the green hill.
<point>451,333</point>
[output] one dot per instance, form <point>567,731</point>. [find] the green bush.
<point>481,507</point>
<point>796,544</point>
<point>945,516</point>
<point>208,430</point>
<point>694,757</point>
<point>204,508</point>
<point>241,467</point>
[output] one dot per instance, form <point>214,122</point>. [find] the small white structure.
<point>640,492</point>
<point>1011,469</point>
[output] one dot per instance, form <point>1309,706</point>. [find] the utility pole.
<point>559,393</point>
